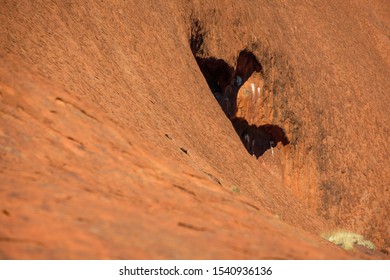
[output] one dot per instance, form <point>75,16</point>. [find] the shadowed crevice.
<point>219,77</point>
<point>224,82</point>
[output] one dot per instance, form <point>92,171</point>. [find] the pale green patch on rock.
<point>347,239</point>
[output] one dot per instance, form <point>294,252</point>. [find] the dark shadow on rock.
<point>258,139</point>
<point>219,77</point>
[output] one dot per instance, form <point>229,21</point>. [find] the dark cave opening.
<point>219,77</point>
<point>247,63</point>
<point>224,82</point>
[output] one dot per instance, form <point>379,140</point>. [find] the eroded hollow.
<point>225,82</point>
<point>219,77</point>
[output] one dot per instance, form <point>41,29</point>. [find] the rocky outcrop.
<point>112,144</point>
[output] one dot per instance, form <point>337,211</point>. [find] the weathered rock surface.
<point>112,144</point>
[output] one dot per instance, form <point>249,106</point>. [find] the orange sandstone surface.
<point>193,129</point>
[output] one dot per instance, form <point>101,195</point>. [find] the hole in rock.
<point>247,63</point>
<point>219,77</point>
<point>184,150</point>
<point>225,82</point>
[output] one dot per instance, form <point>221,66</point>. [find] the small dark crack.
<point>77,108</point>
<point>189,226</point>
<point>193,175</point>
<point>212,177</point>
<point>76,141</point>
<point>184,189</point>
<point>251,205</point>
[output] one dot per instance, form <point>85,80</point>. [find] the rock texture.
<point>112,144</point>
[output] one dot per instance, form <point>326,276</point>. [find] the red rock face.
<point>113,144</point>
